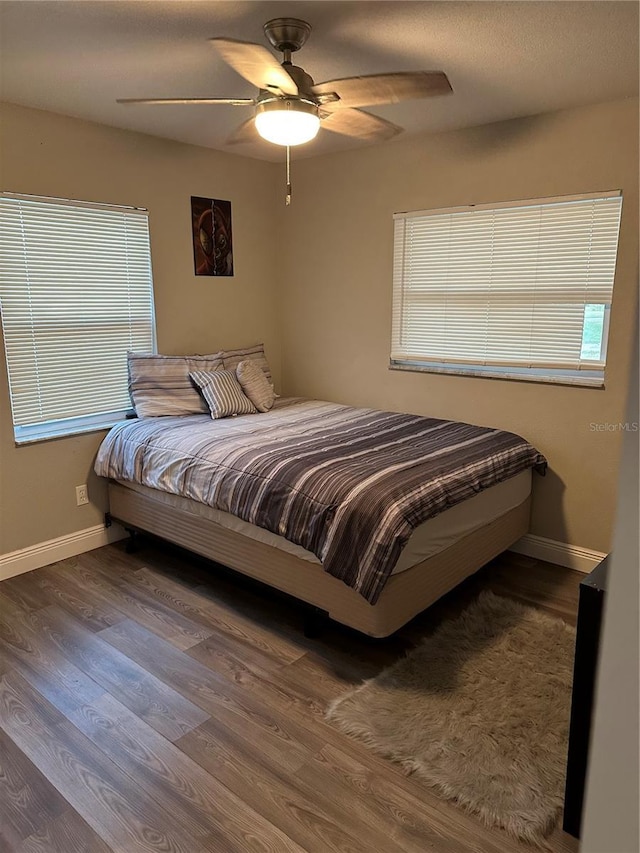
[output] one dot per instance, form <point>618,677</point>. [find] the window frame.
<point>583,375</point>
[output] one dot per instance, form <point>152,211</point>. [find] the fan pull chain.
<point>287,198</point>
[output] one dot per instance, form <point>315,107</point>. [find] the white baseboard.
<point>560,553</point>
<point>45,553</point>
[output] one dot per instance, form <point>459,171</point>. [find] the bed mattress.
<point>349,485</point>
<point>428,539</point>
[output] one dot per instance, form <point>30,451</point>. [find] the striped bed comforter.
<point>348,484</point>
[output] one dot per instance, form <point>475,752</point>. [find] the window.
<point>518,290</point>
<point>76,293</point>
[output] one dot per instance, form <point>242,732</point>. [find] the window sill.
<point>66,428</point>
<point>581,378</point>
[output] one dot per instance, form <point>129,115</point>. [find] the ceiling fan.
<point>290,107</point>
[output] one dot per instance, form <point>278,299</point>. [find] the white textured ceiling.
<point>503,59</point>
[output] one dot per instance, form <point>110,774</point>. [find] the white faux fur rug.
<point>480,711</point>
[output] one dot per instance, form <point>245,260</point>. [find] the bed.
<point>285,496</point>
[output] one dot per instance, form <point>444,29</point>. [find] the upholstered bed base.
<point>404,596</point>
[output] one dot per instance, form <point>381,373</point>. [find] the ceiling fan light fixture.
<point>287,121</point>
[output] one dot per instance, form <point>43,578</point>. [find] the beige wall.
<point>47,154</point>
<point>336,297</point>
<point>316,280</point>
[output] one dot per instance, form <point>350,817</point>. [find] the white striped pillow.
<point>223,393</point>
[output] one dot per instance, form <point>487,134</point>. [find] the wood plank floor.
<point>153,703</point>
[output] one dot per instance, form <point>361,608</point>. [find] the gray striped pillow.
<point>159,385</point>
<point>233,357</point>
<point>223,393</point>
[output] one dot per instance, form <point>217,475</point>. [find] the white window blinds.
<point>76,293</point>
<point>513,285</point>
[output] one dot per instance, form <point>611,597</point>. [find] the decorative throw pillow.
<point>255,384</point>
<point>223,393</point>
<point>159,385</point>
<point>233,357</point>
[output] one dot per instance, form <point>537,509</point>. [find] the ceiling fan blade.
<point>246,132</point>
<point>384,88</point>
<point>255,64</point>
<point>236,102</point>
<point>362,125</point>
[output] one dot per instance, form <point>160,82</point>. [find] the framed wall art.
<point>212,241</point>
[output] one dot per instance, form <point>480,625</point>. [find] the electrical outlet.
<point>82,496</point>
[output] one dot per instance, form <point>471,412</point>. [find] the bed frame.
<point>403,597</point>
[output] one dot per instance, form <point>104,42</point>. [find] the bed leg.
<point>315,622</point>
<point>132,542</point>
